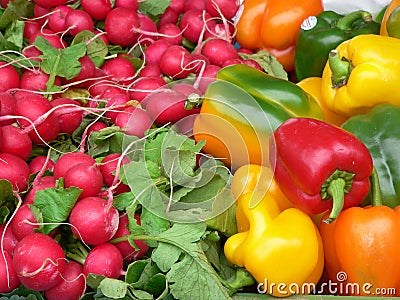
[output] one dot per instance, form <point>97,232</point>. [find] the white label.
<point>309,23</point>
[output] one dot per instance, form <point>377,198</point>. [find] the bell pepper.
<point>241,108</point>
<point>312,85</point>
<point>269,249</point>
<point>361,73</point>
<point>361,248</point>
<point>273,25</point>
<point>319,166</point>
<point>390,25</point>
<point>324,32</point>
<point>379,130</point>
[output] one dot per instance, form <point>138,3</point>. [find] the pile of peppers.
<point>315,158</point>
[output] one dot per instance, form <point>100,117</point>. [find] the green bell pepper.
<point>324,32</point>
<point>242,107</point>
<point>379,130</point>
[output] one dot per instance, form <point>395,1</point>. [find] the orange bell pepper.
<point>361,249</point>
<point>273,25</point>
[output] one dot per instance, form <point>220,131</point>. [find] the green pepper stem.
<point>376,189</point>
<point>347,21</point>
<point>193,101</point>
<point>340,68</point>
<point>336,190</point>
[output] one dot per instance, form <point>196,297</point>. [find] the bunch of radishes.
<point>180,52</point>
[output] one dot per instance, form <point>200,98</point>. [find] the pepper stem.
<point>340,68</point>
<point>243,278</point>
<point>193,101</point>
<point>336,190</point>
<point>347,21</point>
<point>376,189</point>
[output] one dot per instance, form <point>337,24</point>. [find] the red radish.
<point>147,30</point>
<point>4,3</point>
<point>129,253</point>
<point>69,160</point>
<point>93,220</point>
<point>218,51</point>
<point>97,9</point>
<point>252,63</point>
<point>102,35</point>
<point>208,76</point>
<point>178,5</point>
<point>97,126</point>
<point>170,16</point>
<point>41,184</point>
<point>185,88</point>
<point>193,22</point>
<point>119,25</point>
<point>37,163</point>
<point>104,259</point>
<point>24,222</point>
<point>36,80</point>
<point>116,104</point>
<point>40,12</point>
<point>194,4</point>
<point>176,62</point>
<point>8,239</point>
<point>133,121</point>
<point>233,61</point>
<point>15,170</point>
<point>8,277</point>
<point>30,28</point>
<point>32,52</point>
<point>15,141</point>
<point>88,71</point>
<point>38,260</point>
<point>131,4</point>
<point>167,106</point>
<point>228,8</point>
<point>50,36</point>
<point>9,77</point>
<point>85,176</point>
<point>153,53</point>
<point>49,3</point>
<point>34,107</point>
<point>219,30</point>
<point>144,86</point>
<point>120,69</point>
<point>108,166</point>
<point>199,62</point>
<point>171,32</point>
<point>78,20</point>
<point>150,70</point>
<point>72,285</point>
<point>57,18</point>
<point>68,114</point>
<point>8,105</point>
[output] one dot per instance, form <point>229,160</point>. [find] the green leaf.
<point>22,293</point>
<point>96,48</point>
<point>113,288</point>
<point>55,205</point>
<point>139,272</point>
<point>14,33</point>
<point>268,62</point>
<point>93,281</point>
<point>153,7</point>
<point>123,200</point>
<point>153,223</point>
<point>8,201</point>
<point>165,255</point>
<point>16,10</point>
<point>157,285</point>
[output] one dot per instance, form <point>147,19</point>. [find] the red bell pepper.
<point>320,166</point>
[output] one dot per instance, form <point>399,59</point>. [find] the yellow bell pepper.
<point>361,73</point>
<point>282,250</point>
<point>312,85</point>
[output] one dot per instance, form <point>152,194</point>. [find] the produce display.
<point>199,149</point>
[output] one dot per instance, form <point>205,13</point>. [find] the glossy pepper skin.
<point>361,73</point>
<point>379,130</point>
<point>324,32</point>
<point>241,108</point>
<point>273,25</point>
<point>363,243</point>
<point>390,25</point>
<point>270,248</point>
<point>320,166</point>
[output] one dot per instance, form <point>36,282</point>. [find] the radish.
<point>57,18</point>
<point>194,4</point>
<point>78,20</point>
<point>150,70</point>
<point>176,62</point>
<point>30,27</point>
<point>119,25</point>
<point>170,16</point>
<point>222,8</point>
<point>108,166</point>
<point>120,69</point>
<point>39,162</point>
<point>129,253</point>
<point>50,36</point>
<point>86,74</point>
<point>68,160</point>
<point>104,259</point>
<point>49,3</point>
<point>147,30</point>
<point>208,76</point>
<point>15,170</point>
<point>218,51</point>
<point>134,121</point>
<point>38,261</point>
<point>185,88</point>
<point>8,105</point>
<point>85,176</point>
<point>40,184</point>
<point>171,32</point>
<point>230,62</point>
<point>72,285</point>
<point>68,114</point>
<point>152,54</point>
<point>252,63</point>
<point>36,80</point>
<point>144,86</point>
<point>34,107</point>
<point>131,4</point>
<point>23,223</point>
<point>10,78</point>
<point>116,104</point>
<point>15,141</point>
<point>8,277</point>
<point>97,9</point>
<point>40,13</point>
<point>94,220</point>
<point>192,23</point>
<point>96,126</point>
<point>8,239</point>
<point>177,5</point>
